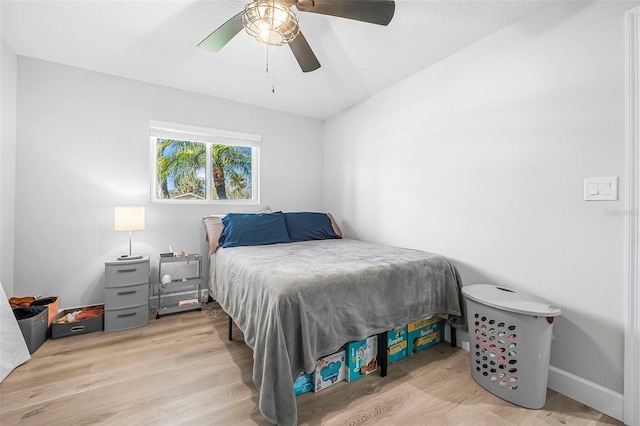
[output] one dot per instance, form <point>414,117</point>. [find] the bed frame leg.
<point>382,353</point>
<point>454,342</point>
<point>230,326</point>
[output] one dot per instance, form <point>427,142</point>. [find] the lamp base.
<point>130,257</point>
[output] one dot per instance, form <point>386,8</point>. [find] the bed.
<point>301,299</point>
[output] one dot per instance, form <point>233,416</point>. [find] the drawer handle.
<point>126,315</point>
<point>122,293</point>
<point>77,328</point>
<point>127,270</point>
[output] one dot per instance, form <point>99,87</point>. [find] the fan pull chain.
<point>273,71</point>
<point>272,54</point>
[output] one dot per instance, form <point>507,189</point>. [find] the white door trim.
<point>632,288</point>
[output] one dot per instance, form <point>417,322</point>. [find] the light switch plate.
<point>601,189</point>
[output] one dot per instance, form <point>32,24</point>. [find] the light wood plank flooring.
<point>181,370</point>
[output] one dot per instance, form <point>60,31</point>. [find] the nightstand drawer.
<point>123,319</point>
<point>126,275</point>
<point>127,296</point>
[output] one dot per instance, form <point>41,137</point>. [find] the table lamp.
<point>129,218</point>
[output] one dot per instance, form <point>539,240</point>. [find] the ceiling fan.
<point>274,23</point>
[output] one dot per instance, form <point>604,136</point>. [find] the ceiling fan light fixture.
<point>270,22</point>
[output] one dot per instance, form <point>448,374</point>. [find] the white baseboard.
<point>591,394</point>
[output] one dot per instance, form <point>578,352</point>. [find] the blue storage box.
<point>424,334</point>
<point>303,384</point>
<point>397,344</point>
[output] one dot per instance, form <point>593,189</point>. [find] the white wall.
<point>8,89</point>
<point>83,148</point>
<point>482,157</point>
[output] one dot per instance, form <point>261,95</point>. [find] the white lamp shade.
<point>129,218</point>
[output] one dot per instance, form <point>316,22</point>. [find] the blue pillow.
<point>253,229</point>
<point>306,226</point>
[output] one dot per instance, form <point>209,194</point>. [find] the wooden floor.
<point>181,370</point>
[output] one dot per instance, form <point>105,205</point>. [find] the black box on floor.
<point>34,330</point>
<point>78,327</point>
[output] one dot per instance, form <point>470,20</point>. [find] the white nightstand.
<point>126,285</point>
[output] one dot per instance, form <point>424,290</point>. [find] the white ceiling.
<point>155,41</point>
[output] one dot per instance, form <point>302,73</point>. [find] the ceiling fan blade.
<point>374,11</point>
<point>225,32</point>
<point>303,53</point>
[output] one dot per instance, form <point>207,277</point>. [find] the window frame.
<point>209,136</point>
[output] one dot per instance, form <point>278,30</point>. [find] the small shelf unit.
<point>183,291</point>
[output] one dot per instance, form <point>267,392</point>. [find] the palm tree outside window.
<point>203,169</point>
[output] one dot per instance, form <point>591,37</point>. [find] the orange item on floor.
<point>53,310</point>
<point>89,312</point>
<point>21,302</point>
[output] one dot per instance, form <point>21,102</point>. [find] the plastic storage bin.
<point>510,342</point>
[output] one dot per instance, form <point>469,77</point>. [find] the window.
<point>199,165</point>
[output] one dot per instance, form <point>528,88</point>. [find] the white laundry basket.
<point>510,342</point>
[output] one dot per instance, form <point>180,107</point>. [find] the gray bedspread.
<point>297,302</point>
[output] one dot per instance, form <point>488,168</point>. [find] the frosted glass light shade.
<point>129,218</point>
